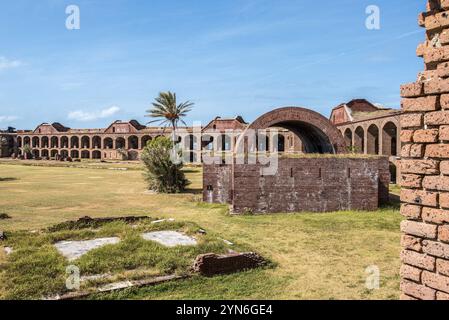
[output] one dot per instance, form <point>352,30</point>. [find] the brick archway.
<point>318,134</point>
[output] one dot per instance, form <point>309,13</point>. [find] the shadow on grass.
<point>8,179</point>
<point>394,203</point>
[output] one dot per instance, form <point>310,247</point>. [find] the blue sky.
<point>230,57</point>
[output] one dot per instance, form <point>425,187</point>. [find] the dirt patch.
<point>88,222</point>
<point>4,216</point>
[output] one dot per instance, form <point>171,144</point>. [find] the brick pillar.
<point>425,165</point>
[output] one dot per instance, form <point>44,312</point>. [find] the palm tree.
<point>168,112</point>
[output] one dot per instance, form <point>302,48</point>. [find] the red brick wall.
<point>301,184</point>
<point>425,194</point>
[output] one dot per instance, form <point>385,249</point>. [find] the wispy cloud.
<point>7,119</point>
<point>80,115</point>
<point>9,64</point>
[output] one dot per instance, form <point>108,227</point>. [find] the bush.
<point>161,173</point>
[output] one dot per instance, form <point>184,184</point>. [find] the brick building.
<point>370,129</point>
<point>126,140</point>
<point>425,165</point>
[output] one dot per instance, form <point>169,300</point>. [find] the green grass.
<point>36,270</point>
<point>317,256</point>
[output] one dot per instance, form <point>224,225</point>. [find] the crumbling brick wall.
<point>318,184</point>
<point>425,165</point>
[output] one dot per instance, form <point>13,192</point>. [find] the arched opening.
<point>35,142</point>
<point>359,140</point>
<point>85,142</point>
<point>45,142</point>
<point>74,142</point>
<point>207,142</point>
<point>74,154</point>
<point>263,143</point>
<point>96,154</point>
<point>64,154</point>
<point>373,139</point>
<point>64,142</point>
<point>317,134</point>
<point>120,143</point>
<point>27,141</point>
<point>44,154</point>
<point>85,154</point>
<point>390,139</point>
<point>19,142</point>
<point>144,141</point>
<point>54,142</point>
<point>225,142</point>
<point>133,143</point>
<point>36,154</point>
<point>279,143</point>
<point>53,154</point>
<point>348,138</point>
<point>108,143</point>
<point>96,142</point>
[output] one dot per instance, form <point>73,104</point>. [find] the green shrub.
<point>161,174</point>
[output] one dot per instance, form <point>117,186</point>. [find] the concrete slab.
<point>170,238</point>
<point>73,250</point>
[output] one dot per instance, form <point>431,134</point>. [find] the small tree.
<point>161,174</point>
<point>27,151</point>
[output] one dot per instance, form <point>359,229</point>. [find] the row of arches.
<point>263,142</point>
<point>373,140</point>
<point>84,142</point>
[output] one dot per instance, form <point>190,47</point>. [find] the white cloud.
<point>6,119</point>
<point>80,115</point>
<point>9,64</point>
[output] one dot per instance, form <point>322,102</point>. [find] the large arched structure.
<point>317,133</point>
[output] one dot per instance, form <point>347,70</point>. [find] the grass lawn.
<point>317,256</point>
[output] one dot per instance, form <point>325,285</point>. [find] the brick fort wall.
<point>319,184</point>
<point>425,165</point>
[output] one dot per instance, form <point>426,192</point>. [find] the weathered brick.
<point>410,273</point>
<point>444,99</point>
<point>411,243</point>
<point>404,297</point>
<point>429,103</point>
<point>419,229</point>
<point>437,151</point>
<point>420,166</point>
<point>444,37</point>
<point>443,233</point>
<point>444,133</point>
<point>443,70</point>
<point>437,21</point>
<point>424,198</point>
<point>417,290</point>
<point>425,136</point>
<point>411,211</point>
<point>411,181</point>
<point>440,183</point>
<point>433,215</point>
<point>419,260</point>
<point>436,118</point>
<point>444,199</point>
<point>412,90</point>
<point>411,120</point>
<point>443,266</point>
<point>436,249</point>
<point>442,296</point>
<point>416,151</point>
<point>407,135</point>
<point>444,167</point>
<point>435,281</point>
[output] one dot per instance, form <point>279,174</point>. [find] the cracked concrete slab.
<point>73,250</point>
<point>170,238</point>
